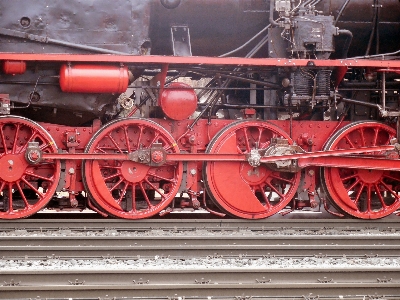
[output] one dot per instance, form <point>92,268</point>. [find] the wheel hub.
<point>253,176</point>
<point>12,167</point>
<point>134,172</point>
<point>370,176</point>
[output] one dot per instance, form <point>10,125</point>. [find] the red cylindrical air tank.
<point>93,79</point>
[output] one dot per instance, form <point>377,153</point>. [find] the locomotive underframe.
<point>298,160</point>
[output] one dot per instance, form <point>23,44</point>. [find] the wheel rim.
<point>127,189</point>
<point>238,188</point>
<point>25,189</point>
<point>362,193</point>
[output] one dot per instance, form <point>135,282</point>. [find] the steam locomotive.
<point>247,108</point>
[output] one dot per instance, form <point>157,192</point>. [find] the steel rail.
<point>176,297</point>
<point>181,243</point>
<point>156,262</point>
<point>82,221</point>
<point>180,251</point>
<point>223,282</point>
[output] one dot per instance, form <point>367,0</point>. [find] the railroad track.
<point>172,259</point>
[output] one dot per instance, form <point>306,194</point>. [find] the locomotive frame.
<point>248,166</point>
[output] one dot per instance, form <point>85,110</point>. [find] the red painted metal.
<point>127,189</point>
<point>93,79</point>
<point>330,158</point>
<point>26,189</point>
<point>179,102</point>
<point>240,189</point>
<point>14,67</point>
<point>197,60</point>
<point>362,193</point>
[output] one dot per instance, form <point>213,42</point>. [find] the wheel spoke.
<point>128,145</point>
<point>260,131</point>
<point>357,198</point>
<point>10,198</point>
<point>378,193</point>
<point>375,140</point>
<point>349,177</point>
<point>114,143</point>
<point>28,173</point>
<point>123,193</point>
<point>156,137</point>
<point>112,176</point>
<point>363,141</point>
<point>133,197</point>
<point>117,184</point>
<point>3,140</point>
<point>349,142</point>
<point>275,190</point>
<point>14,149</point>
<point>3,184</point>
<point>108,167</point>
<point>246,140</point>
<point>41,195</point>
<point>140,136</point>
<point>100,149</point>
<point>155,188</point>
<point>44,146</point>
<point>161,177</point>
<point>391,177</point>
<point>266,200</point>
<point>145,195</point>
<point>389,190</point>
<point>22,195</point>
<point>34,134</point>
<point>275,176</point>
<point>353,185</point>
<point>369,198</point>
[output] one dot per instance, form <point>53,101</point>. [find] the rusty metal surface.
<point>101,24</point>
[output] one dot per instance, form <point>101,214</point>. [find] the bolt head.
<point>157,157</point>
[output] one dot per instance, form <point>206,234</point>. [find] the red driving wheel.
<point>362,193</point>
<point>240,189</point>
<point>128,189</point>
<point>25,188</point>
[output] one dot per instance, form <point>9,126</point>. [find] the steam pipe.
<point>347,44</point>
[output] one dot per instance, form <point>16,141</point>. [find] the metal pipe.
<point>384,91</point>
<point>258,82</point>
<point>272,22</point>
<point>257,47</point>
<point>44,39</point>
<point>374,22</point>
<point>341,11</point>
<point>258,106</point>
<point>347,44</point>
<point>357,102</point>
<point>247,43</point>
